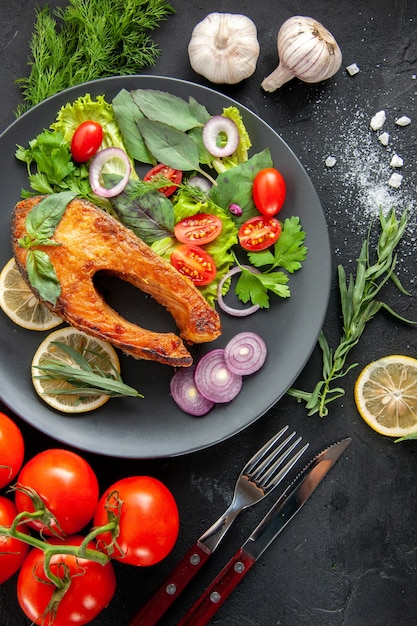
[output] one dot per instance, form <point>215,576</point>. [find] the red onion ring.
<point>96,166</point>
<point>213,128</point>
<point>245,353</point>
<point>225,307</point>
<point>186,395</point>
<point>214,380</point>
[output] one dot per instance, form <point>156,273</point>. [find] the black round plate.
<point>154,426</point>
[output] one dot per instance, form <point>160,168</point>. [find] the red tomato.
<point>12,450</point>
<point>194,262</point>
<point>165,171</point>
<point>86,140</point>
<point>91,589</point>
<point>258,233</point>
<point>66,484</point>
<point>149,520</point>
<point>200,228</point>
<point>12,551</point>
<point>269,191</point>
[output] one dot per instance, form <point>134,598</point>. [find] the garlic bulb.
<point>224,48</point>
<point>306,50</point>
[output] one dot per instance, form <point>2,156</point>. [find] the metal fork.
<point>261,474</point>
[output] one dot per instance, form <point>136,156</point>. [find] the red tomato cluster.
<point>56,493</point>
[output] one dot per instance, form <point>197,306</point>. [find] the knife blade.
<point>274,522</point>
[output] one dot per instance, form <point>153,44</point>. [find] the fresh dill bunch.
<point>89,40</point>
<point>359,304</point>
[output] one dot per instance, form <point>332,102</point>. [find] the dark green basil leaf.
<point>169,145</point>
<point>42,276</point>
<point>127,114</point>
<point>45,216</point>
<point>167,108</point>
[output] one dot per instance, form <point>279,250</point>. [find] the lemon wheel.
<point>386,395</point>
<point>99,354</point>
<point>20,304</point>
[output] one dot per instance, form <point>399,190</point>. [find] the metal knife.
<point>283,511</point>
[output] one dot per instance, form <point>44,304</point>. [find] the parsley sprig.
<point>359,302</point>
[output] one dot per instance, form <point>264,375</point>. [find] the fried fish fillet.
<point>89,241</point>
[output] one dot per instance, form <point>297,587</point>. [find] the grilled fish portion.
<point>91,241</point>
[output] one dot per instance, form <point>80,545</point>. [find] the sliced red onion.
<point>245,353</point>
<point>185,393</point>
<point>222,304</point>
<point>215,127</point>
<point>96,167</point>
<point>201,183</point>
<point>214,380</point>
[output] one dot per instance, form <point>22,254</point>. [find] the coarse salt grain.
<point>352,69</point>
<point>378,120</point>
<point>403,121</point>
<point>396,161</point>
<point>330,161</point>
<point>384,138</point>
<point>395,180</point>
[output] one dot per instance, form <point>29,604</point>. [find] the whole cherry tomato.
<point>67,485</point>
<point>86,140</point>
<point>91,588</point>
<point>258,233</point>
<point>269,191</point>
<point>12,551</point>
<point>164,171</point>
<point>194,262</point>
<point>199,229</point>
<point>149,520</point>
<point>12,450</point>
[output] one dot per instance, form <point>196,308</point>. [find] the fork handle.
<point>169,591</point>
<point>219,590</point>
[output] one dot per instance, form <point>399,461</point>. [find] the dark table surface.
<point>350,556</point>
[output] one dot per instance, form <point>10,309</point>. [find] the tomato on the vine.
<point>91,589</point>
<point>12,450</point>
<point>269,191</point>
<point>194,262</point>
<point>67,485</point>
<point>199,229</point>
<point>164,171</point>
<point>12,551</point>
<point>258,233</point>
<point>149,520</point>
<point>86,140</point>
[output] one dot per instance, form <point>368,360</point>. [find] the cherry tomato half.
<point>165,172</point>
<point>200,228</point>
<point>67,485</point>
<point>269,191</point>
<point>148,523</point>
<point>12,551</point>
<point>86,140</point>
<point>194,262</point>
<point>12,450</point>
<point>91,589</point>
<point>259,233</point>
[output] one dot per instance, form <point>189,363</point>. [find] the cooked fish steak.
<point>92,241</point>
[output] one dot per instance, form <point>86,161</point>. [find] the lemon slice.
<point>20,304</point>
<point>99,354</point>
<point>386,395</point>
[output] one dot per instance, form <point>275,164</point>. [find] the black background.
<point>350,556</point>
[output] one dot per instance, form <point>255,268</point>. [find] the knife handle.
<point>169,591</point>
<point>218,591</point>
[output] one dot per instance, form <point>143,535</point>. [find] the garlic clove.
<point>306,50</point>
<point>224,48</point>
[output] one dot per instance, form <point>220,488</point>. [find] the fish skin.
<point>91,240</point>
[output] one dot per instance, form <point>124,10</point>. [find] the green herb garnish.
<point>359,304</point>
<point>89,40</point>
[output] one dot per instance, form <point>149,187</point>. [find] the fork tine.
<point>273,479</point>
<point>261,467</point>
<point>262,452</point>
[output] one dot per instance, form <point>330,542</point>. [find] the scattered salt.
<point>330,161</point>
<point>396,161</point>
<point>395,180</point>
<point>403,121</point>
<point>352,69</point>
<point>378,120</point>
<point>384,138</point>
